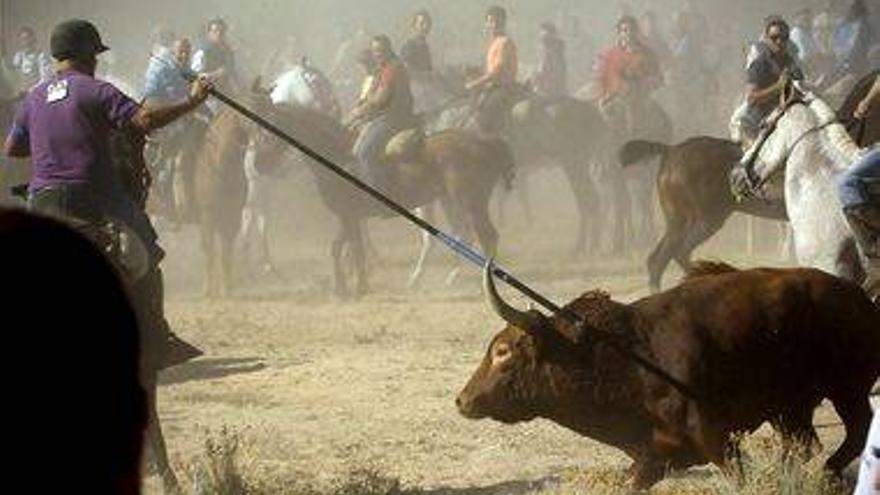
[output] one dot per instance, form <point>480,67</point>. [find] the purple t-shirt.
<point>66,122</point>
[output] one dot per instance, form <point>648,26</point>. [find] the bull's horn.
<point>520,319</point>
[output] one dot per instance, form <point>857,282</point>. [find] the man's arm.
<point>16,147</point>
<point>17,143</point>
<point>377,100</point>
<point>152,117</point>
<point>756,96</point>
<point>493,74</point>
<point>870,100</point>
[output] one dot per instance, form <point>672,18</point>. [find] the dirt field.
<point>317,386</point>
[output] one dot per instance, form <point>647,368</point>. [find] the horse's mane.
<point>834,139</point>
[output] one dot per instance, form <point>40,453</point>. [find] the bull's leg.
<point>854,410</point>
<point>646,473</point>
<point>795,426</point>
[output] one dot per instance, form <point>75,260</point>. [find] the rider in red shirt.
<point>627,71</point>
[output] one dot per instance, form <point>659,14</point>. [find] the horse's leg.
<point>156,440</point>
<point>697,233</point>
<point>226,242</point>
<point>525,199</point>
<point>588,208</point>
<point>487,235</point>
<point>358,251</point>
<point>339,243</point>
<point>460,228</point>
<point>206,235</point>
<point>662,254</point>
<point>426,244</point>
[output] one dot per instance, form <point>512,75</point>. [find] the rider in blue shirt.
<point>859,189</point>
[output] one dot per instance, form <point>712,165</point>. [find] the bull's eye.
<point>500,354</point>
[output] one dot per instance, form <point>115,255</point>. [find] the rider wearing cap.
<point>64,126</point>
<point>859,203</point>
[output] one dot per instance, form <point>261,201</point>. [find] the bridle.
<point>756,184</point>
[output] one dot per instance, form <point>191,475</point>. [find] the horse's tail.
<point>502,156</point>
<point>637,151</point>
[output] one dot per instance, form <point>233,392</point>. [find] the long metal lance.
<point>457,245</point>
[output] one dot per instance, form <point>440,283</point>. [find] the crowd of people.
<point>66,116</point>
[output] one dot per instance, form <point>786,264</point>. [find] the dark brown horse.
<point>694,188</point>
<point>453,166</point>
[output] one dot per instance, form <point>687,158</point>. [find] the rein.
<point>756,184</point>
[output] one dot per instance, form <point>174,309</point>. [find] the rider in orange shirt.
<point>495,87</point>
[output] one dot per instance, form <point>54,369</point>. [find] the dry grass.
<point>230,465</point>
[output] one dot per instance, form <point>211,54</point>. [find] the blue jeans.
<point>852,186</point>
<point>370,148</point>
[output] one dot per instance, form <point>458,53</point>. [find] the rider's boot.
<point>162,347</point>
<point>864,221</point>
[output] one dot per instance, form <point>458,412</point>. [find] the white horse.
<point>803,148</point>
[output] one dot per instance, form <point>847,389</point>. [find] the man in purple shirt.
<point>64,125</point>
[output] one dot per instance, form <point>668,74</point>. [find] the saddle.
<point>405,146</point>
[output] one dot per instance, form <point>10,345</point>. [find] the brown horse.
<point>220,191</point>
<point>452,166</point>
<point>694,188</point>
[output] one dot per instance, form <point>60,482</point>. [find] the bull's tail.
<point>704,268</point>
<point>638,151</point>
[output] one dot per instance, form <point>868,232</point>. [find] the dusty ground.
<point>320,386</point>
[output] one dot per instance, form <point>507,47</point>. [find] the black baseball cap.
<point>74,38</point>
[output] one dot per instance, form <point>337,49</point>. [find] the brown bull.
<point>753,346</point>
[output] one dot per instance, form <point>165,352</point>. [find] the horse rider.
<point>64,126</point>
<point>386,110</point>
<point>415,52</point>
<point>550,78</point>
<point>495,90</point>
<point>860,204</point>
<point>771,66</point>
<point>215,59</point>
<point>164,84</point>
<point>626,74</point>
<point>30,64</point>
